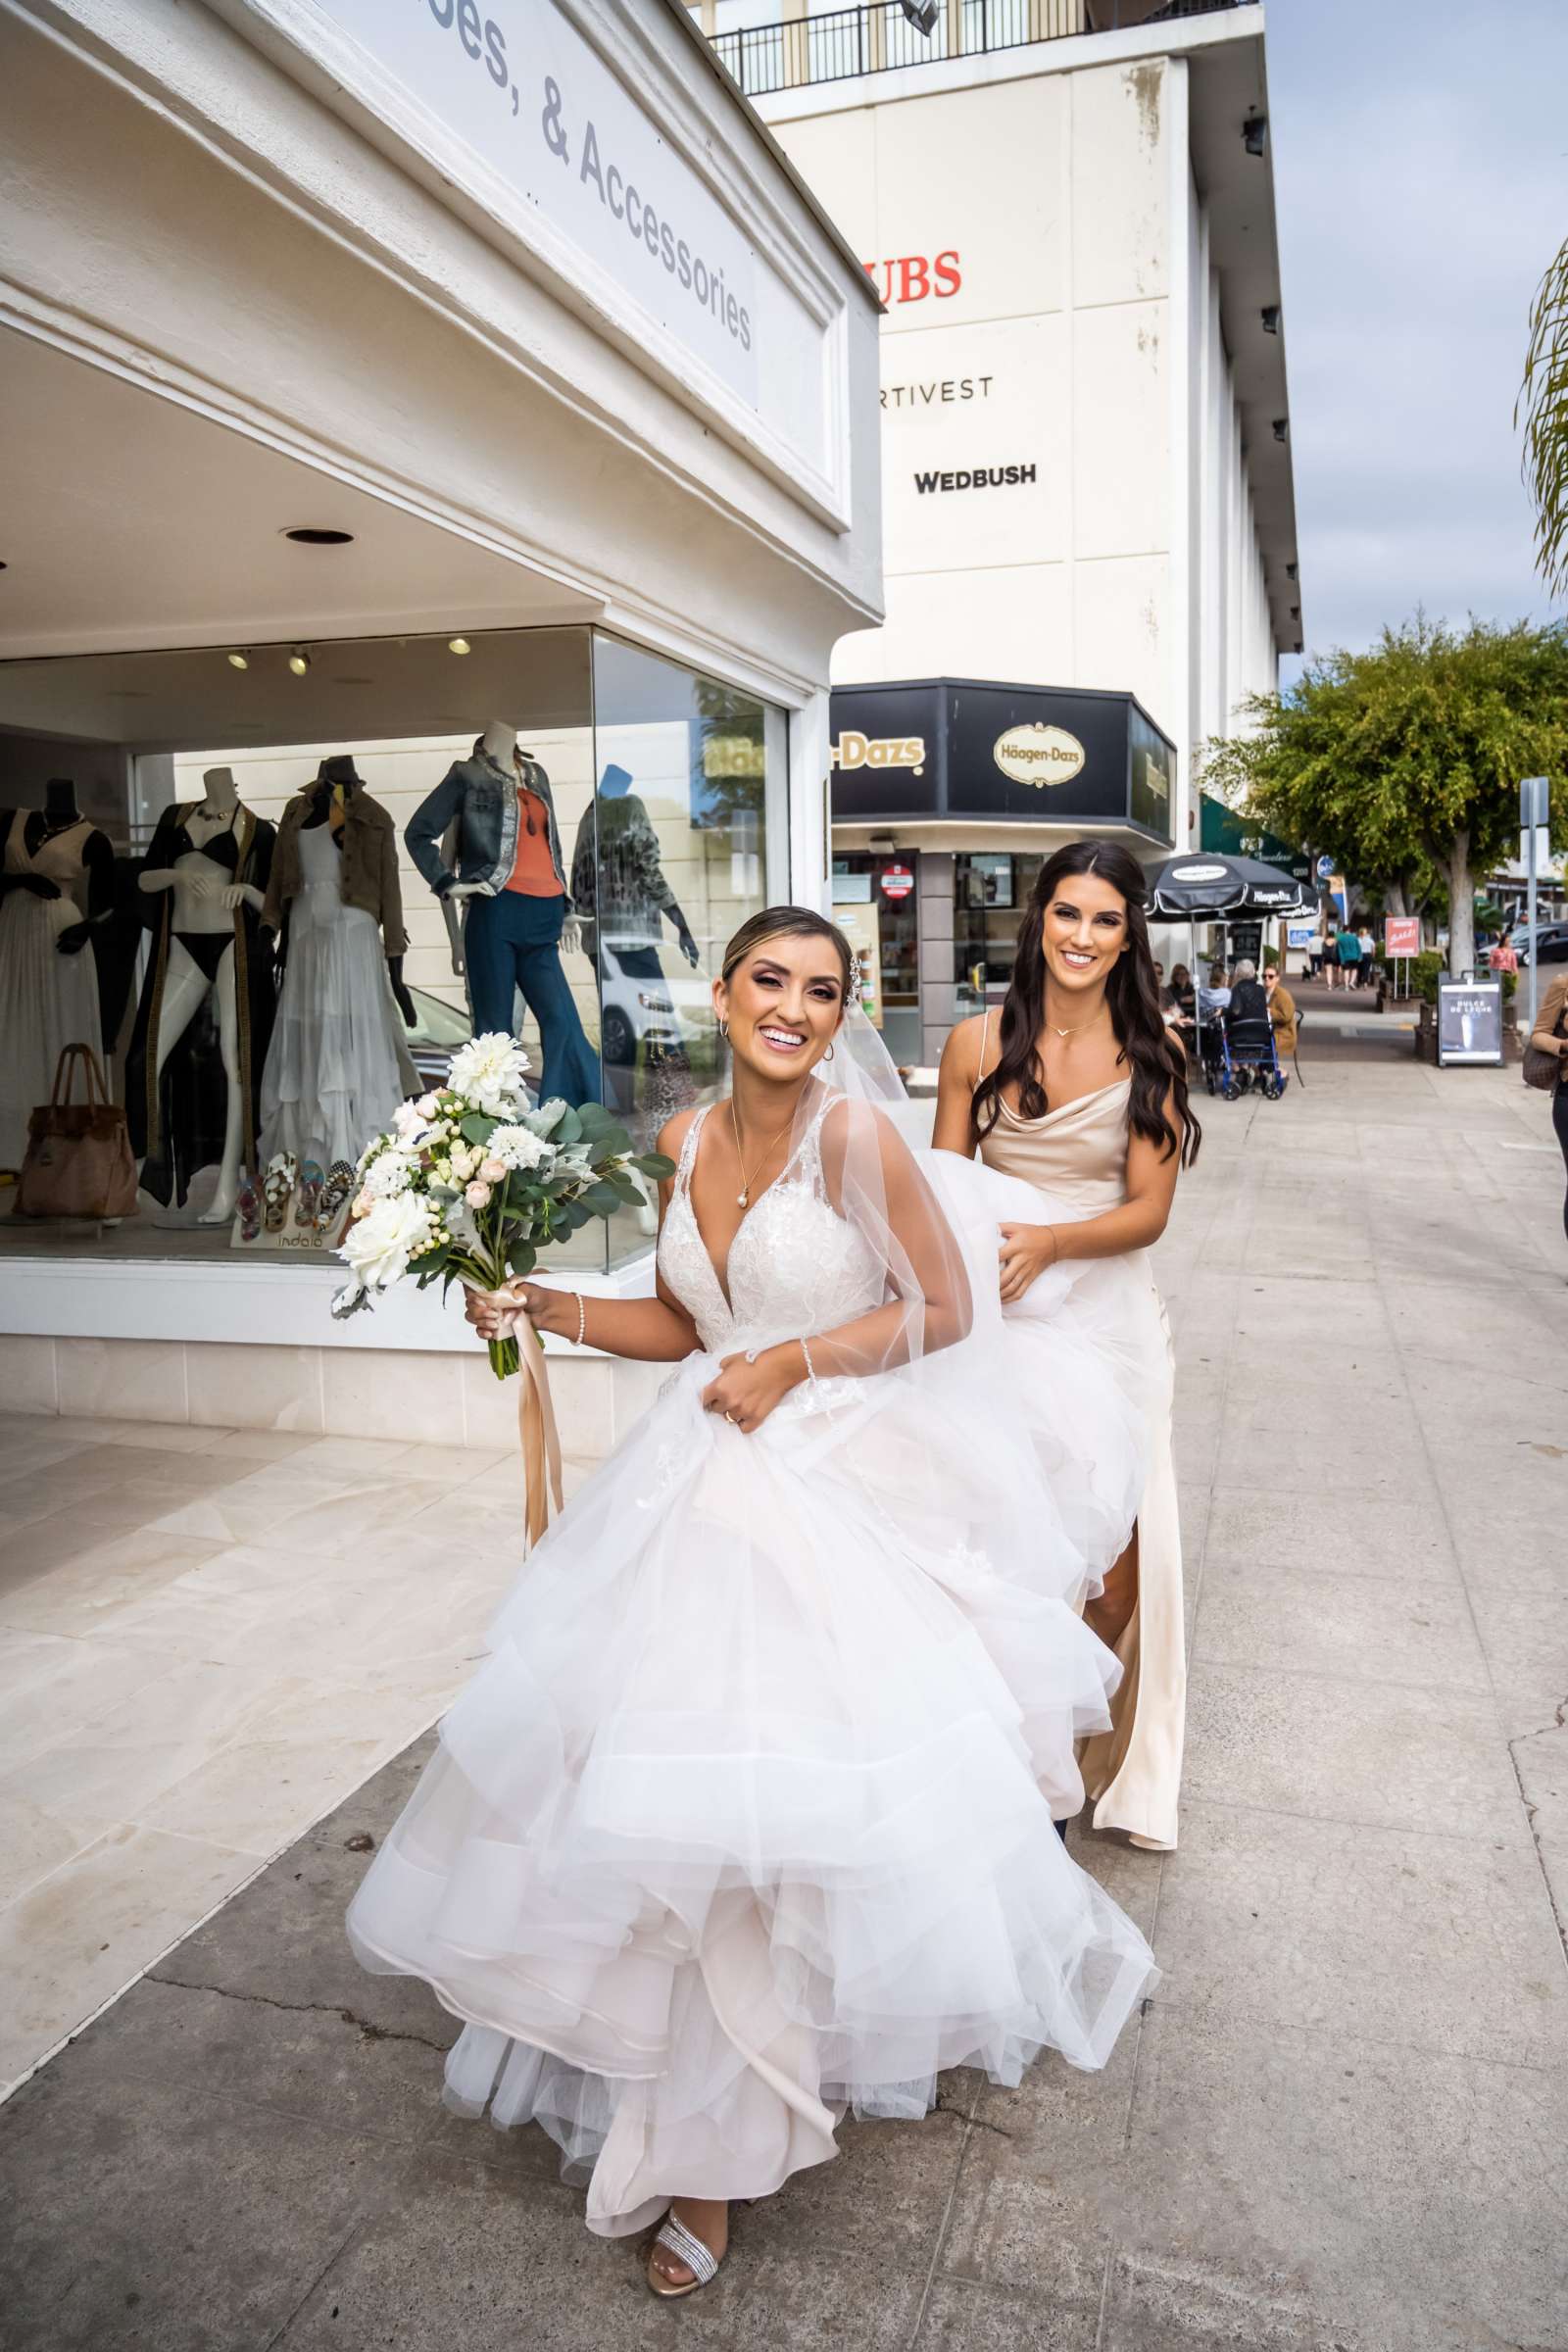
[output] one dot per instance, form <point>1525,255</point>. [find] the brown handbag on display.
<point>78,1161</point>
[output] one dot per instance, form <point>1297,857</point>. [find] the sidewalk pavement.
<point>1341,2121</point>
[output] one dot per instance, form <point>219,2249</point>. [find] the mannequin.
<point>206,869</point>
<point>56,875</point>
<point>338,1066</point>
<point>487,836</point>
<point>618,883</point>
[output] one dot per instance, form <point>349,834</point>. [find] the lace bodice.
<point>796,1267</point>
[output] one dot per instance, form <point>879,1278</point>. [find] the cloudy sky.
<point>1421,166</point>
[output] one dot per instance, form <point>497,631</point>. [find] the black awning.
<point>945,749</point>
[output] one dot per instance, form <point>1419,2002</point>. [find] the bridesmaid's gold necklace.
<point>743,1196</point>
<point>1078,1032</point>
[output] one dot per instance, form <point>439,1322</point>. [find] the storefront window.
<point>299,879</point>
<point>991,890</point>
<point>876,897</point>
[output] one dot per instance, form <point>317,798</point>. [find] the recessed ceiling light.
<point>308,535</point>
<point>459,645</point>
<point>299,661</point>
<point>238,662</point>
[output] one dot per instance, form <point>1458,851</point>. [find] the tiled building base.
<point>418,1397</point>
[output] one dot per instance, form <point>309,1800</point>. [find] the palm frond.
<point>1544,405</point>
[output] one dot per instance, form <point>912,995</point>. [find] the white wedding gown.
<point>747,1819</point>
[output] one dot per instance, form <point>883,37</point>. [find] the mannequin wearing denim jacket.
<point>494,815</point>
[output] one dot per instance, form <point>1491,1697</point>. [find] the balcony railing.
<point>877,37</point>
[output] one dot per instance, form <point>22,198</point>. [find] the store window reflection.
<point>669,860</point>
<point>317,883</point>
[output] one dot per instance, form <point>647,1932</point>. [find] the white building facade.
<point>1084,424</point>
<point>515,310</point>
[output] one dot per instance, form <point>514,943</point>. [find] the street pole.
<point>1535,811</point>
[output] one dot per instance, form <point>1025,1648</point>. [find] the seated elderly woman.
<point>1247,1001</point>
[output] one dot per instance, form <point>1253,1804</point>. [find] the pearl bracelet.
<point>582,1317</point>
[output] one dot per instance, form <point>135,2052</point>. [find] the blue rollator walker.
<point>1247,1059</point>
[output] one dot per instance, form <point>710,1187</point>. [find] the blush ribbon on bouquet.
<point>538,1434</point>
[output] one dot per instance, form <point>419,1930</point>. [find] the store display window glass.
<point>274,894</point>
<point>876,902</point>
<point>989,890</point>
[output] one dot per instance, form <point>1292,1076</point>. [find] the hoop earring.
<point>724,1031</point>
<point>828,1055</point>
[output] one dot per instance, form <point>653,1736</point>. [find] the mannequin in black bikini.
<point>211,862</point>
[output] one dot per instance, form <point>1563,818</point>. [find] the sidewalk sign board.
<point>1469,1021</point>
<point>1401,935</point>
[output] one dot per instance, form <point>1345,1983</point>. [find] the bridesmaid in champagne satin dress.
<point>1083,1020</point>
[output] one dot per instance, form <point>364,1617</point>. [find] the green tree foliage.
<point>1544,405</point>
<point>1403,762</point>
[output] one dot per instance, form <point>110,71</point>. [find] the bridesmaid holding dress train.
<point>1076,1089</point>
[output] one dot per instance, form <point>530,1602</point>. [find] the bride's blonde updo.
<point>788,922</point>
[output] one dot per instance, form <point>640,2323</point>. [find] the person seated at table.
<point>1176,999</point>
<point>1247,999</point>
<point>1214,995</point>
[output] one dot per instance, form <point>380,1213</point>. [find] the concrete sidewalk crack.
<point>349,2017</point>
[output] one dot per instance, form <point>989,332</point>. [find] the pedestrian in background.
<point>1368,947</point>
<point>1281,1009</point>
<point>1551,1021</point>
<point>1504,955</point>
<point>1347,953</point>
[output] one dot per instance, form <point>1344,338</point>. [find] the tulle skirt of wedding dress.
<point>1075,1346</point>
<point>747,1819</point>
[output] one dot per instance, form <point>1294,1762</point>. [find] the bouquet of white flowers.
<point>470,1184</point>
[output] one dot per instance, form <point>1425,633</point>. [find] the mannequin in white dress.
<point>338,1065</point>
<point>57,871</point>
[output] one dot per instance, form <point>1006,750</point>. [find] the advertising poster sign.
<point>1470,1020</point>
<point>1401,935</point>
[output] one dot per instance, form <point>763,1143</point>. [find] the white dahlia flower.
<point>489,1073</point>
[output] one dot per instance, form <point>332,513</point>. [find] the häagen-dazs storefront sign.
<point>1038,754</point>
<point>517,84</point>
<point>852,749</point>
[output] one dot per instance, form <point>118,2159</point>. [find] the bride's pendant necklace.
<point>744,1196</point>
<point>1078,1032</point>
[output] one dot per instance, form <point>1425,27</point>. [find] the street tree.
<point>1407,757</point>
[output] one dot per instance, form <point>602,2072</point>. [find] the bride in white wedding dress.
<point>747,1818</point>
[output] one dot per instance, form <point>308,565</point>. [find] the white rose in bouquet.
<point>379,1246</point>
<point>490,1072</point>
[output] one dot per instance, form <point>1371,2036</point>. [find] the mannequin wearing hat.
<point>339,1066</point>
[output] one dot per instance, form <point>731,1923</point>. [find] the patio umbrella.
<point>1218,887</point>
<point>1205,884</point>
